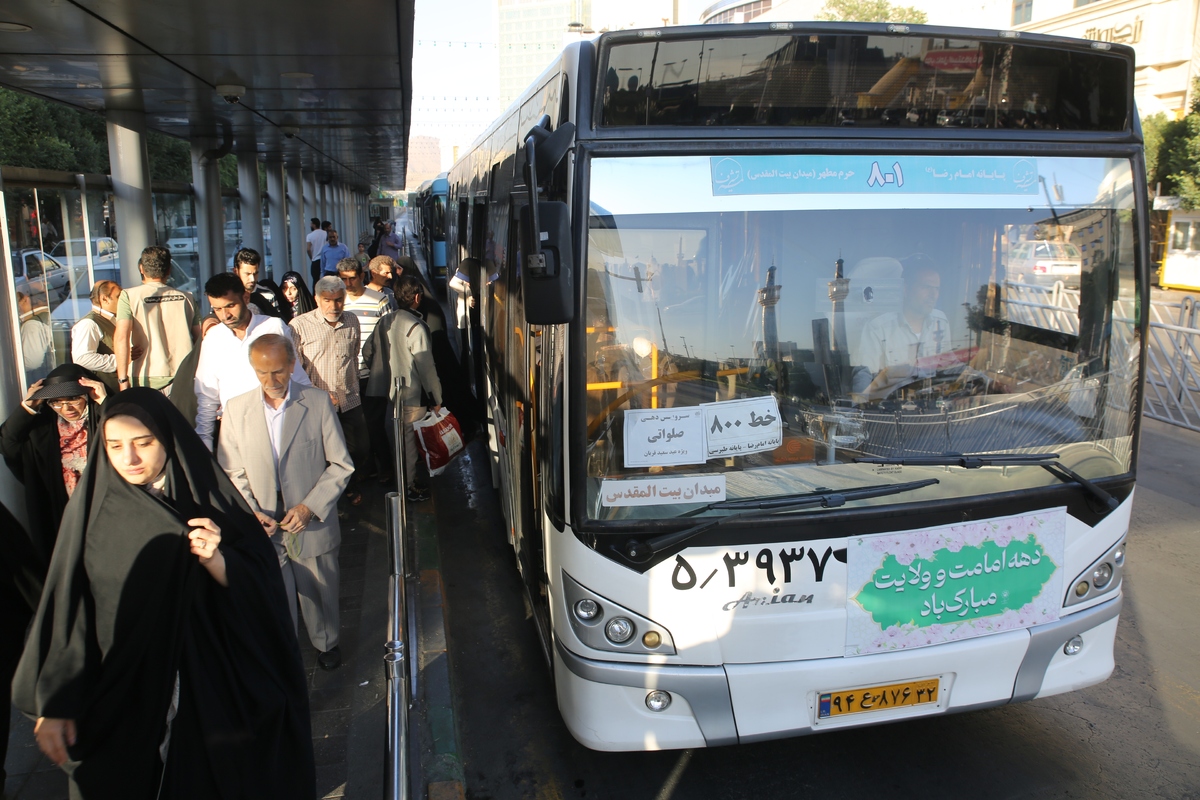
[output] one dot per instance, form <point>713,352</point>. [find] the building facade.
<point>531,35</point>
<point>424,159</point>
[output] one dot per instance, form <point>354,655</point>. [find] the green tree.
<point>869,11</point>
<point>40,134</point>
<point>1172,148</point>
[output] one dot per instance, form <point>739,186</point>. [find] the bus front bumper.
<point>603,702</point>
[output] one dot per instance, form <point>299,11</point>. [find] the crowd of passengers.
<point>182,480</point>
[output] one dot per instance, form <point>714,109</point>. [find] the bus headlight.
<point>1101,577</point>
<point>619,630</point>
<point>601,624</point>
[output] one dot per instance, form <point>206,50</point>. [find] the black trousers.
<point>374,409</point>
<point>354,428</point>
<point>315,268</point>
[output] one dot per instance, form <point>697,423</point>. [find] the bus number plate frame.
<point>915,694</point>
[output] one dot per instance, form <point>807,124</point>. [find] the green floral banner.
<point>942,584</point>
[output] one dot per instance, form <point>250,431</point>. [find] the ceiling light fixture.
<point>14,27</point>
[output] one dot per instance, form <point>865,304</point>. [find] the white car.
<point>41,277</point>
<point>1045,263</point>
<point>183,241</point>
<point>71,252</point>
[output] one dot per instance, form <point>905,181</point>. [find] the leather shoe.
<point>330,659</point>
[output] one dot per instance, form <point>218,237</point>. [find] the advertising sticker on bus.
<point>925,587</point>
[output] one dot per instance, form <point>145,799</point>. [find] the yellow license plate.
<point>877,698</point>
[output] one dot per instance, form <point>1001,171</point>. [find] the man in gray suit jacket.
<point>284,449</point>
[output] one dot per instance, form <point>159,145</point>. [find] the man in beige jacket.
<point>283,448</point>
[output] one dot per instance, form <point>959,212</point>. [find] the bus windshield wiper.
<point>826,498</point>
<point>1047,461</point>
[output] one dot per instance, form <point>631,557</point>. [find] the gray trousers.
<point>313,584</point>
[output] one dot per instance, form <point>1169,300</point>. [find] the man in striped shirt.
<point>328,339</point>
<point>369,306</point>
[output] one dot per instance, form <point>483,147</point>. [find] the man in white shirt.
<point>314,243</point>
<point>224,370</point>
<point>903,346</point>
<point>93,337</point>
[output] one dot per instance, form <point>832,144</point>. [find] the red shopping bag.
<point>439,438</point>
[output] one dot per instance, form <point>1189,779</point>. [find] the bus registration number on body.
<point>877,698</point>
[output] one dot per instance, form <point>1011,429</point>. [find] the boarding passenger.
<point>223,371</point>
<point>410,358</point>
<point>162,660</point>
<point>93,344</point>
<point>314,244</point>
<point>296,294</point>
<point>45,443</point>
<point>265,297</point>
<point>283,448</point>
<point>156,321</point>
<point>334,252</point>
<point>390,243</point>
<point>381,270</point>
<point>328,341</point>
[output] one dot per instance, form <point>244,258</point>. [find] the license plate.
<point>877,698</point>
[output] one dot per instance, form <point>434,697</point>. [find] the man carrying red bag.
<point>410,358</point>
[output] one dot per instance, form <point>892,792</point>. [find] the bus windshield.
<point>757,326</point>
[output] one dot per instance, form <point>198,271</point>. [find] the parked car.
<point>973,116</point>
<point>72,253</point>
<point>64,316</point>
<point>183,241</point>
<point>182,277</point>
<point>1045,263</point>
<point>41,277</point>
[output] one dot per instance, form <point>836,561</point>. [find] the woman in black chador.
<point>162,660</point>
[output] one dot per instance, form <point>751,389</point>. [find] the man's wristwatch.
<point>122,381</point>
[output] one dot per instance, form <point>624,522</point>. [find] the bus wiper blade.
<point>1047,461</point>
<point>1065,473</point>
<point>643,551</point>
<point>967,460</point>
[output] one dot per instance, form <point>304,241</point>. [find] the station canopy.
<point>336,76</point>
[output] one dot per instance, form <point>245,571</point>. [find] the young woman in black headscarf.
<point>162,660</point>
<point>297,294</point>
<point>45,443</point>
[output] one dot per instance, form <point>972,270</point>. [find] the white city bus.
<point>785,443</point>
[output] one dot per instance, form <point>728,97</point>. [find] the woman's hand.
<point>54,736</point>
<point>29,403</point>
<point>206,538</point>
<point>96,390</point>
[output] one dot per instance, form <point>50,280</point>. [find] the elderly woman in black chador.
<point>45,444</point>
<point>162,660</point>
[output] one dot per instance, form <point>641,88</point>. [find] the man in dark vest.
<point>92,336</point>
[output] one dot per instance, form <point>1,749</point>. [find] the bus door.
<point>524,502</point>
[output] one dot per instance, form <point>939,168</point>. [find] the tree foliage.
<point>869,11</point>
<point>1173,154</point>
<point>42,134</point>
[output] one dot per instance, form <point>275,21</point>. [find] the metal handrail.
<point>397,660</point>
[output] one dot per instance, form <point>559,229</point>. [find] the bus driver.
<point>903,346</point>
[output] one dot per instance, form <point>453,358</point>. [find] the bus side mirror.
<point>546,274</point>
